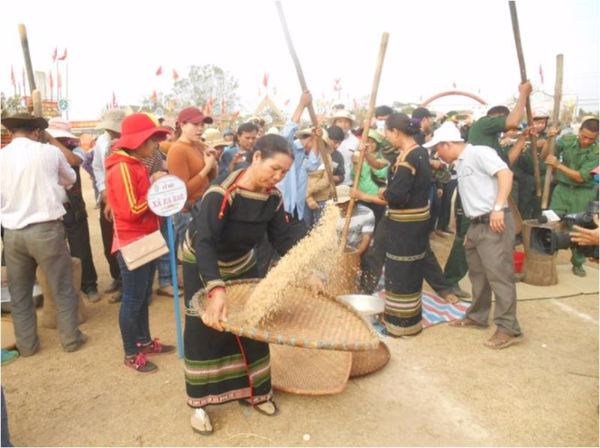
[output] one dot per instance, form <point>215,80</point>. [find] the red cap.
<point>136,129</point>
<point>193,115</point>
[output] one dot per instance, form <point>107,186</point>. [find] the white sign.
<point>167,195</point>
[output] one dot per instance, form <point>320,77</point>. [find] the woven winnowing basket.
<point>303,319</point>
<point>370,361</point>
<point>305,371</point>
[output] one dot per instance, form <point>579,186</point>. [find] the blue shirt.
<point>293,185</point>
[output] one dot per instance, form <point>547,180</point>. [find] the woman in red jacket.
<point>127,183</point>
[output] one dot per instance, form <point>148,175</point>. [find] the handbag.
<point>144,250</point>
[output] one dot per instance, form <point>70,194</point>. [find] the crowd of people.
<point>252,194</point>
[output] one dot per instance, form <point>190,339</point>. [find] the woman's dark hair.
<point>403,123</point>
<point>247,127</point>
<point>336,133</point>
<point>271,144</point>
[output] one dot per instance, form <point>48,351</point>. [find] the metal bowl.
<point>364,304</point>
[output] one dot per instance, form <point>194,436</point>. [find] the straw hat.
<point>24,119</point>
<point>213,138</point>
<point>306,319</point>
<point>342,113</point>
<point>59,128</point>
<point>306,371</point>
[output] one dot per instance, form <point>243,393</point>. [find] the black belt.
<point>485,219</point>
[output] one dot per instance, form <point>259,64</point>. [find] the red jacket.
<point>127,185</point>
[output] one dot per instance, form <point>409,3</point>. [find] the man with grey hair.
<point>484,184</point>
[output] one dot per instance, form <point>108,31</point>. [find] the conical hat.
<point>370,361</point>
<point>305,319</point>
<point>305,371</point>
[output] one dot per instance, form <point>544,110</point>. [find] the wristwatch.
<point>498,208</point>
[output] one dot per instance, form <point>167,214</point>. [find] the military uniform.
<point>570,196</point>
<point>529,204</point>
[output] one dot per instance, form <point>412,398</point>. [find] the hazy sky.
<point>118,45</point>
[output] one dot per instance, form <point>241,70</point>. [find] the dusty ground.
<point>442,388</point>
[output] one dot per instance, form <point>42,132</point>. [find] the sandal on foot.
<point>268,408</point>
<point>200,422</point>
<point>501,340</point>
<point>465,322</point>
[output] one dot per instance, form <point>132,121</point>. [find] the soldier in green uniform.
<point>575,157</point>
<point>521,162</point>
<point>484,131</point>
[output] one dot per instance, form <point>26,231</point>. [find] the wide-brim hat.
<point>24,120</point>
<point>59,128</point>
<point>213,138</point>
<point>304,319</point>
<point>343,113</point>
<point>304,132</point>
<point>136,129</point>
<point>343,194</point>
<point>111,120</point>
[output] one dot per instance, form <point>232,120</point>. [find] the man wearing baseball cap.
<point>484,184</point>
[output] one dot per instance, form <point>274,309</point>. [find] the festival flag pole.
<point>325,157</point>
<point>555,121</point>
<point>366,126</point>
<point>534,155</point>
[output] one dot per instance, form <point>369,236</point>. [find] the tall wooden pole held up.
<point>517,34</point>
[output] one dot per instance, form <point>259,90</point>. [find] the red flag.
<point>114,100</point>
<point>175,75</point>
<point>58,80</point>
<point>64,56</point>
<point>266,79</point>
<point>159,71</point>
<point>12,76</point>
<point>50,80</point>
<point>541,74</point>
<point>154,97</point>
<point>54,54</point>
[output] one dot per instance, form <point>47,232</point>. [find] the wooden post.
<point>371,111</point>
<point>311,110</point>
<point>517,34</point>
<point>555,122</point>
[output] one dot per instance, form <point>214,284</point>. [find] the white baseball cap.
<point>447,132</point>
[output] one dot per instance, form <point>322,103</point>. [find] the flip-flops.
<point>200,422</point>
<point>502,340</point>
<point>465,322</point>
<point>268,408</point>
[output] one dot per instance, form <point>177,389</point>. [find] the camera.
<point>549,241</point>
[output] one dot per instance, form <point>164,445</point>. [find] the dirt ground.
<point>441,388</point>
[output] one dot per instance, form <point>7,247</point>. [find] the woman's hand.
<point>216,311</point>
<point>357,194</point>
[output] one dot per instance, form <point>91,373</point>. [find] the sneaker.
<point>114,287</point>
<point>200,422</point>
<point>115,298</point>
<point>460,293</point>
<point>92,294</point>
<point>155,348</point>
<point>77,345</point>
<point>579,271</point>
<point>140,363</point>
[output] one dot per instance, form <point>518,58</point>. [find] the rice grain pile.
<point>317,252</point>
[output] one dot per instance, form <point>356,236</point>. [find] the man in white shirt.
<point>484,184</point>
<point>111,123</point>
<point>31,208</point>
<point>345,120</point>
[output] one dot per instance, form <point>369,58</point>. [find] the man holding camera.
<point>574,159</point>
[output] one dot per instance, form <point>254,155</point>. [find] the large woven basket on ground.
<point>304,319</point>
<point>369,361</point>
<point>305,371</point>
